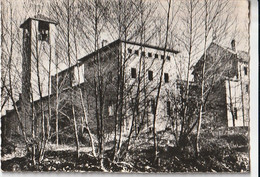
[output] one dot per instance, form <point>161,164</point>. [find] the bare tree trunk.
<point>57,104</point>
<point>43,139</point>
<point>33,133</point>
<point>49,98</point>
<point>75,130</point>
<point>191,5</point>
<point>87,126</point>
<point>231,103</point>
<point>82,102</point>
<point>197,148</point>
<point>10,90</point>
<point>242,96</point>
<point>155,140</point>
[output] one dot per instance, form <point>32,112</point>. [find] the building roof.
<point>39,17</point>
<point>239,55</point>
<point>117,42</point>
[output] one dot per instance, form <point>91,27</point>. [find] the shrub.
<point>7,147</point>
<point>236,139</point>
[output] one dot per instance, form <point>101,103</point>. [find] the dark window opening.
<point>168,58</point>
<point>72,76</point>
<point>150,75</point>
<point>90,64</point>
<point>152,102</point>
<point>168,108</point>
<point>133,72</point>
<point>235,113</point>
<point>130,51</point>
<point>26,35</point>
<point>136,52</point>
<point>149,54</point>
<point>166,77</point>
<point>247,88</point>
<point>156,55</point>
<point>143,54</point>
<point>44,29</point>
<point>245,70</point>
<point>162,57</point>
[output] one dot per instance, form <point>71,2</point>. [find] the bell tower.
<point>38,60</point>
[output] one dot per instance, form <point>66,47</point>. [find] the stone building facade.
<point>227,80</point>
<point>129,74</point>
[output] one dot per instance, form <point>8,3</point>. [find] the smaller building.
<point>226,77</point>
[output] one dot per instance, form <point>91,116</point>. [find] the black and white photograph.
<point>125,86</point>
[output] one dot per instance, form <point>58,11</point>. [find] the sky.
<point>242,12</point>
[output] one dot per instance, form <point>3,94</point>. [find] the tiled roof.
<point>241,55</point>
<point>39,17</point>
<point>116,42</point>
<point>44,18</point>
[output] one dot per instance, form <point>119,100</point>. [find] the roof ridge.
<point>225,48</point>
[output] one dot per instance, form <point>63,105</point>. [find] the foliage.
<point>7,147</point>
<point>216,155</point>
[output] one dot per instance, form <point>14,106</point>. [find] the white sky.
<point>241,12</point>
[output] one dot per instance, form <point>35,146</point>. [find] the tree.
<point>194,35</point>
<point>183,120</point>
<point>10,64</point>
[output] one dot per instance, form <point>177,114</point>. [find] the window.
<point>168,108</point>
<point>150,75</point>
<point>44,29</point>
<point>90,64</point>
<point>143,54</point>
<point>110,110</point>
<point>72,77</point>
<point>149,54</point>
<point>26,35</point>
<point>134,103</point>
<point>247,88</point>
<point>156,55</point>
<point>162,57</point>
<point>136,52</point>
<point>235,113</point>
<point>168,58</point>
<point>133,72</point>
<point>152,104</point>
<point>166,77</point>
<point>245,70</point>
<point>129,51</point>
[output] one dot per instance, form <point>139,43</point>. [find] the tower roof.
<point>39,17</point>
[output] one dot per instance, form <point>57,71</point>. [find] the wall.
<point>44,53</point>
<point>109,75</point>
<point>238,94</point>
<point>148,88</point>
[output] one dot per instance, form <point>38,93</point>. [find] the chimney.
<point>103,43</point>
<point>233,45</point>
